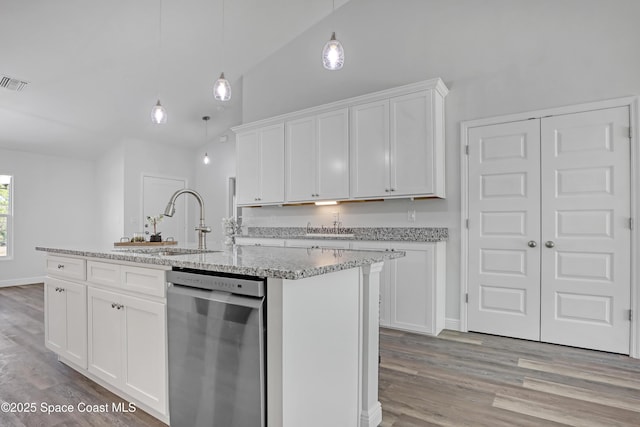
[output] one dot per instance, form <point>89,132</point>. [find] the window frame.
<point>9,219</point>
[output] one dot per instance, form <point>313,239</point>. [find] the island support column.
<point>371,409</point>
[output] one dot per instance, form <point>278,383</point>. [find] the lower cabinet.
<point>66,319</point>
<point>127,345</point>
<point>412,288</point>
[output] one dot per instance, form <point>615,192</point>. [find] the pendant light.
<point>222,88</point>
<point>333,53</point>
<point>158,112</point>
<point>206,119</point>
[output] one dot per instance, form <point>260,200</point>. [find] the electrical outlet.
<point>411,215</point>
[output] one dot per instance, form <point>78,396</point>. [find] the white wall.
<point>119,175</point>
<point>496,56</point>
<point>212,182</point>
<point>110,194</point>
<point>54,205</point>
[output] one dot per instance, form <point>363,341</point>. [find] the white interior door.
<point>504,218</point>
<point>156,192</point>
<point>586,284</point>
<point>549,235</point>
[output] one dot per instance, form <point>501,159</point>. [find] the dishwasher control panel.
<point>201,279</point>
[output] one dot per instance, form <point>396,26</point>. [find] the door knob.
<point>549,244</point>
<point>532,244</point>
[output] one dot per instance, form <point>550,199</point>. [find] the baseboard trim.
<point>373,417</point>
<point>21,281</point>
<point>452,324</point>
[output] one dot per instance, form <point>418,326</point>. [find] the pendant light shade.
<point>333,54</point>
<point>206,160</point>
<point>222,89</point>
<point>159,114</point>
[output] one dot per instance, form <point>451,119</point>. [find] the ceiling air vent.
<point>11,83</point>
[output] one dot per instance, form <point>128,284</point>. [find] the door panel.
<point>370,149</point>
<point>411,144</point>
<point>585,212</point>
<point>105,335</point>
<point>565,191</point>
<point>504,272</point>
<point>301,159</point>
<point>333,155</point>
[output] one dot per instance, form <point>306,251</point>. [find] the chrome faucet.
<point>201,228</point>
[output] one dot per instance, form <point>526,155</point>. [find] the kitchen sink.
<point>166,251</point>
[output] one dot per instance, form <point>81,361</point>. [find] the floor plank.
<point>469,379</point>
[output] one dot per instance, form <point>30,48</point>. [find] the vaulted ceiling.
<point>95,69</point>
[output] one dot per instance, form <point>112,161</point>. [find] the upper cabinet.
<point>383,145</point>
<point>317,155</point>
<point>260,166</point>
<point>397,147</point>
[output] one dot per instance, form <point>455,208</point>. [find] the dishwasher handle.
<point>215,296</point>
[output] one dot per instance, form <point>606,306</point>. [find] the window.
<point>5,216</point>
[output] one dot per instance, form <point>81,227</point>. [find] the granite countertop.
<point>405,234</point>
<point>273,262</point>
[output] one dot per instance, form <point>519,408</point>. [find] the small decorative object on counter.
<point>137,237</point>
<point>230,229</point>
<point>154,220</point>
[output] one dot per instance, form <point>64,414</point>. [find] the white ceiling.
<point>95,68</point>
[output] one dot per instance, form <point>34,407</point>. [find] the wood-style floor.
<point>455,379</point>
<point>467,379</point>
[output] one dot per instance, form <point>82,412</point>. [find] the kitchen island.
<point>321,322</point>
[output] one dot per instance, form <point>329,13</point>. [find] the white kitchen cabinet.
<point>412,288</point>
<point>260,166</point>
<point>127,345</point>
<point>317,156</point>
<point>397,147</point>
<point>66,319</point>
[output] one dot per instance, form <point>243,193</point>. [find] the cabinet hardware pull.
<point>549,244</point>
<point>60,266</point>
<point>386,190</point>
<point>113,305</point>
<point>532,244</point>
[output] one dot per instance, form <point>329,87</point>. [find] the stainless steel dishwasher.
<point>216,333</point>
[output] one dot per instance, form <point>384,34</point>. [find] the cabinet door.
<point>105,335</point>
<point>55,325</point>
<point>66,320</point>
<point>301,160</point>
<point>272,164</point>
<point>332,153</point>
<point>412,156</point>
<point>144,367</point>
<point>76,300</point>
<point>248,168</point>
<point>370,150</point>
<point>412,305</point>
<point>384,276</point>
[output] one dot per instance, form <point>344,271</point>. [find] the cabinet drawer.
<point>71,268</point>
<point>144,280</point>
<point>103,273</point>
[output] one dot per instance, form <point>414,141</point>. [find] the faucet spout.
<point>201,228</point>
